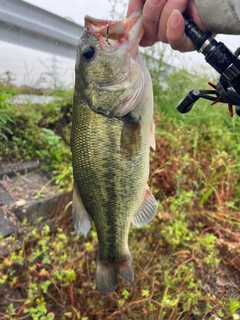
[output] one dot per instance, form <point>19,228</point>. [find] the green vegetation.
<point>186,261</point>
<point>29,132</point>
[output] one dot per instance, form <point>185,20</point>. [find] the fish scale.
<point>112,130</point>
<point>102,179</point>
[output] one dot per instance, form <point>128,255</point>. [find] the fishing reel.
<point>226,63</point>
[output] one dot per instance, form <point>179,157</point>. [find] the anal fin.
<point>81,219</point>
<point>147,210</point>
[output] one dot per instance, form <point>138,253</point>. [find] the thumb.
<point>175,33</point>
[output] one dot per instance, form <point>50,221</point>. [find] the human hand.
<point>163,21</point>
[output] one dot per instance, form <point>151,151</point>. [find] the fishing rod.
<point>226,63</point>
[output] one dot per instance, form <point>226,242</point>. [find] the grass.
<point>38,132</point>
<point>186,260</point>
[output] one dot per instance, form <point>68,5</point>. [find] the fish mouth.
<point>114,33</point>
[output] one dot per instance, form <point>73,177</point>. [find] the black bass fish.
<point>112,131</point>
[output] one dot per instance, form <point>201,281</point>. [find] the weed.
<point>6,115</point>
<point>186,260</point>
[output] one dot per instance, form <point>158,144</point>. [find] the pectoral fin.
<point>81,218</point>
<point>146,211</point>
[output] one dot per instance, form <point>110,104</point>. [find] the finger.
<point>145,42</point>
<point>166,12</point>
<point>133,6</point>
<point>151,14</point>
<point>176,35</point>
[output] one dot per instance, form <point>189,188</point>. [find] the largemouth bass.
<point>112,131</point>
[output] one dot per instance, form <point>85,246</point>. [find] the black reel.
<point>226,63</point>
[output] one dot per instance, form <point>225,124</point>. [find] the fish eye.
<point>88,52</point>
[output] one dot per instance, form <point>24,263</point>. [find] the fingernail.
<point>154,3</point>
<point>174,18</point>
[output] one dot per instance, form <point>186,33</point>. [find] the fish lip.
<point>129,29</point>
<point>94,25</point>
<point>134,26</point>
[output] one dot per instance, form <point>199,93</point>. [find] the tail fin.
<point>106,274</point>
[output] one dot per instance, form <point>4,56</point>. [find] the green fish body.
<point>112,131</point>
